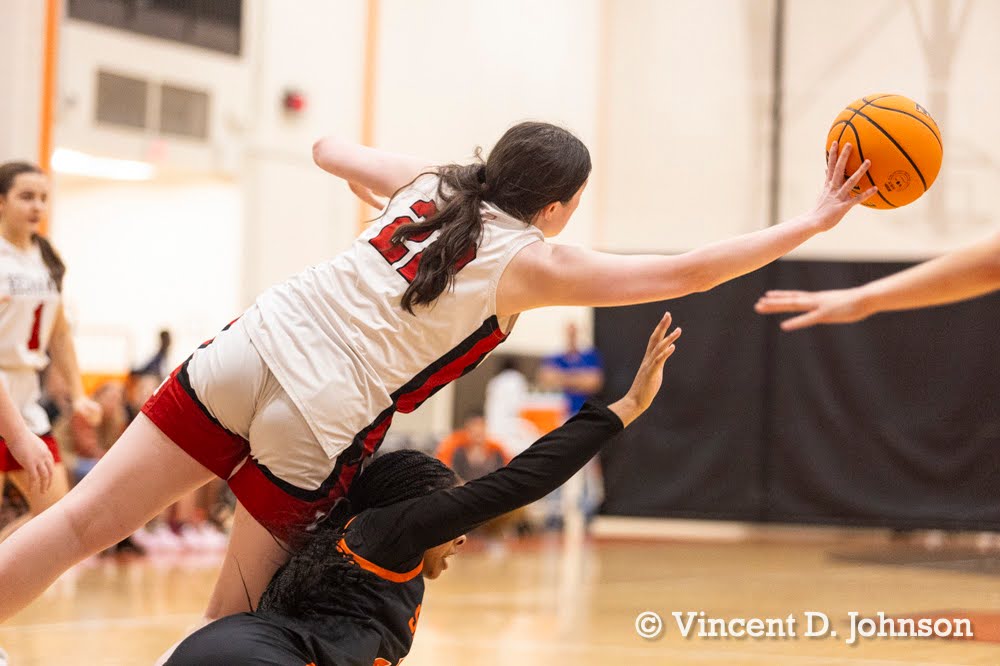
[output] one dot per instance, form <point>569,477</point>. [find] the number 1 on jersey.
<point>35,342</point>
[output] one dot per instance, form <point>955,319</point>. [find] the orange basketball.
<point>901,140</point>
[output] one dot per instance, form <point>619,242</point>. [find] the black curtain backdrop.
<point>889,422</point>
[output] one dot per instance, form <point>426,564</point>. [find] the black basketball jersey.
<point>372,621</point>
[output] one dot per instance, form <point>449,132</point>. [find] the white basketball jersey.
<point>29,302</point>
<point>340,344</point>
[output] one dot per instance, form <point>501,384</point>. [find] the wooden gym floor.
<point>541,603</point>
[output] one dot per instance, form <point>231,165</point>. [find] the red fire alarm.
<point>294,101</point>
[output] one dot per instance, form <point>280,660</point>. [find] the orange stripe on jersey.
<point>391,576</point>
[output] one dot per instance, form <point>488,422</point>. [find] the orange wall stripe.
<point>50,60</point>
<point>370,76</point>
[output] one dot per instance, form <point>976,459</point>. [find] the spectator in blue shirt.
<point>578,373</point>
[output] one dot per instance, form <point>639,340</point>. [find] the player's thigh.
<point>252,557</point>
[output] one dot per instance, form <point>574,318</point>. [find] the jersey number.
<point>393,253</point>
<point>34,342</point>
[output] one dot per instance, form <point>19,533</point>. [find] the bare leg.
<point>251,560</point>
<point>8,529</point>
<point>143,472</point>
<point>38,502</point>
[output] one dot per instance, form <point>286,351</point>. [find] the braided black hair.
<point>318,580</point>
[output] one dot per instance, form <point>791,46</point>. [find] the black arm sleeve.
<point>398,535</point>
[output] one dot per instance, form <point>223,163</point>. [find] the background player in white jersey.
<point>289,400</point>
<point>957,276</point>
<point>32,326</point>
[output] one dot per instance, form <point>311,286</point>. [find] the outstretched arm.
<point>378,171</point>
<point>405,530</point>
<point>544,274</point>
<point>957,276</point>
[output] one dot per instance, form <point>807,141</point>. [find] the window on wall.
<point>211,24</point>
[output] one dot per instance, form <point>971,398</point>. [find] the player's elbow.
<point>693,279</point>
<point>323,151</point>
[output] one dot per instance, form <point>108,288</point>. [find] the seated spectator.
<point>89,442</point>
<point>470,453</point>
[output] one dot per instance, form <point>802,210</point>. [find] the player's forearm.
<point>64,360</point>
<point>957,276</point>
<point>543,467</point>
<point>714,264</point>
<point>12,425</point>
<point>380,171</point>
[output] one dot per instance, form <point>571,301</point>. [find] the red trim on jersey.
<point>408,402</point>
<point>369,445</point>
<point>381,572</point>
<point>9,464</point>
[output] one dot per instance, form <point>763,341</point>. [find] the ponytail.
<point>461,192</point>
<point>532,166</point>
<point>57,269</point>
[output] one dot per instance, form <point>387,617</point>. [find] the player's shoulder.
<point>426,186</point>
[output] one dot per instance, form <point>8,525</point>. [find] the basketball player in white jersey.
<point>288,401</point>
<point>32,327</point>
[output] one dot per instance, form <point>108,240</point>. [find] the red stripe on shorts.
<point>281,514</point>
<point>181,418</point>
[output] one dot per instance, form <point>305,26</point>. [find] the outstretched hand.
<point>35,458</point>
<point>837,196</point>
<point>837,306</point>
<point>649,377</point>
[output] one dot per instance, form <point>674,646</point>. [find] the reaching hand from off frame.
<point>649,377</point>
<point>837,197</point>
<point>837,306</point>
<point>34,456</point>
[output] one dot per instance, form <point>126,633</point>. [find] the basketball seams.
<point>868,174</point>
<point>898,147</point>
<point>847,123</point>
<point>872,101</point>
<point>932,128</point>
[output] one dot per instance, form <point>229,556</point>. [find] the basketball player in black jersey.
<point>352,593</point>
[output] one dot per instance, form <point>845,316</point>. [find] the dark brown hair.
<point>9,171</point>
<point>531,166</point>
